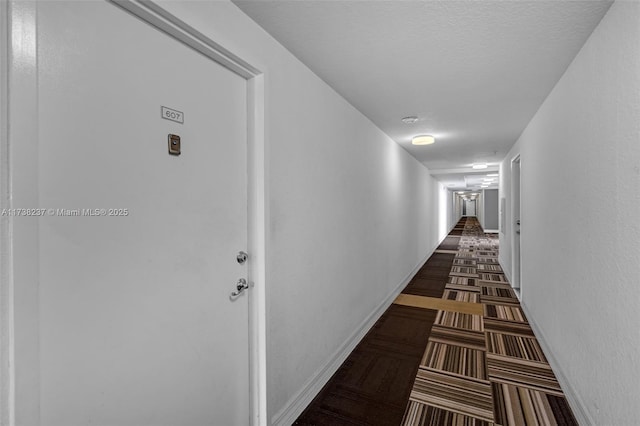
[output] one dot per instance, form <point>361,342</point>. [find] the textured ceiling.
<point>474,72</point>
<point>469,180</point>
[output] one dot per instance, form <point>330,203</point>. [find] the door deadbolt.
<point>174,144</point>
<point>242,257</point>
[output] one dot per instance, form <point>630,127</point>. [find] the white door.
<point>470,207</point>
<point>136,322</point>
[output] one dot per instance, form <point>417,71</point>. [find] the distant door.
<point>470,207</point>
<point>137,326</point>
<point>516,189</point>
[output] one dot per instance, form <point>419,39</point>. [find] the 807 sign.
<point>172,114</point>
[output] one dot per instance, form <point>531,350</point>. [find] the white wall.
<point>449,207</point>
<point>350,213</point>
<point>456,209</point>
<point>580,231</point>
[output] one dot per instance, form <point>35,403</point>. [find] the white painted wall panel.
<point>490,209</point>
<point>580,233</point>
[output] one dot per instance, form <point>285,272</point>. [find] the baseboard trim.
<point>575,401</point>
<point>507,272</point>
<point>296,405</point>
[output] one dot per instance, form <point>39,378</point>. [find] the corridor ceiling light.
<point>493,174</point>
<point>484,186</point>
<point>479,166</point>
<point>410,120</point>
<point>423,140</point>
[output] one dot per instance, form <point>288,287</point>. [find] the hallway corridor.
<point>454,348</point>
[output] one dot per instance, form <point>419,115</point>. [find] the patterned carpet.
<point>454,348</point>
<point>483,369</point>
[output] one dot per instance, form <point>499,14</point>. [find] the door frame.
<point>516,214</point>
<point>19,245</point>
<point>6,314</point>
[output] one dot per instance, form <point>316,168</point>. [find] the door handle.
<point>241,286</point>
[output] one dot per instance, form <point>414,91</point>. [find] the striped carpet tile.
<point>485,267</point>
<point>493,300</point>
<point>426,415</point>
<point>522,373</point>
<point>496,284</point>
<point>498,296</point>
<point>461,296</point>
<point>470,359</point>
<point>460,395</point>
<point>515,406</point>
<point>489,260</point>
<point>462,280</point>
<point>499,291</point>
<point>459,320</point>
<point>465,254</point>
<point>456,336</point>
<point>526,348</point>
<point>458,360</point>
<point>465,288</point>
<point>464,262</point>
<point>459,271</point>
<point>509,313</point>
<point>493,277</point>
<point>507,327</point>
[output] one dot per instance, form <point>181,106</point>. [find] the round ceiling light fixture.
<point>423,140</point>
<point>410,120</point>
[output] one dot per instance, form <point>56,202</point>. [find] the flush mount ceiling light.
<point>423,140</point>
<point>410,120</point>
<point>479,166</point>
<point>493,174</point>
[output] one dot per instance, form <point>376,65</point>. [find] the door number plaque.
<point>172,114</point>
